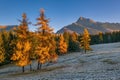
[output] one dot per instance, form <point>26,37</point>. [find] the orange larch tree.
<point>85,41</point>
<point>21,54</point>
<point>73,42</point>
<point>46,48</point>
<point>62,45</point>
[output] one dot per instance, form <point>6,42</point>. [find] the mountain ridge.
<point>93,27</point>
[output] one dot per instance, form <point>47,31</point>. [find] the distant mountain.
<point>92,26</point>
<point>7,27</point>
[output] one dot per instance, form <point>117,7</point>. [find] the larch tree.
<point>66,37</point>
<point>85,41</point>
<point>62,45</point>
<point>53,47</point>
<point>73,42</point>
<point>45,49</point>
<point>21,54</point>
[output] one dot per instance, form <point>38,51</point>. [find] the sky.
<point>60,12</point>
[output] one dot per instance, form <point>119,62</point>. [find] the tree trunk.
<point>23,69</point>
<point>38,66</point>
<point>85,51</point>
<point>30,67</point>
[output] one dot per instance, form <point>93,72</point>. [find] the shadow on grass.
<point>7,65</point>
<point>37,71</point>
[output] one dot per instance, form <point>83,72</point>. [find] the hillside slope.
<point>103,63</point>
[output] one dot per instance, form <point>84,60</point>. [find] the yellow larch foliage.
<point>85,41</point>
<point>62,45</point>
<point>21,53</point>
<point>27,46</point>
<point>43,55</point>
<point>22,33</point>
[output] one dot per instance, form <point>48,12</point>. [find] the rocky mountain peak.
<point>82,20</point>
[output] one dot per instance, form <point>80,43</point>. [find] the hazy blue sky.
<point>60,12</point>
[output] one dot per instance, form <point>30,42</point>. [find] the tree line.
<point>108,37</point>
